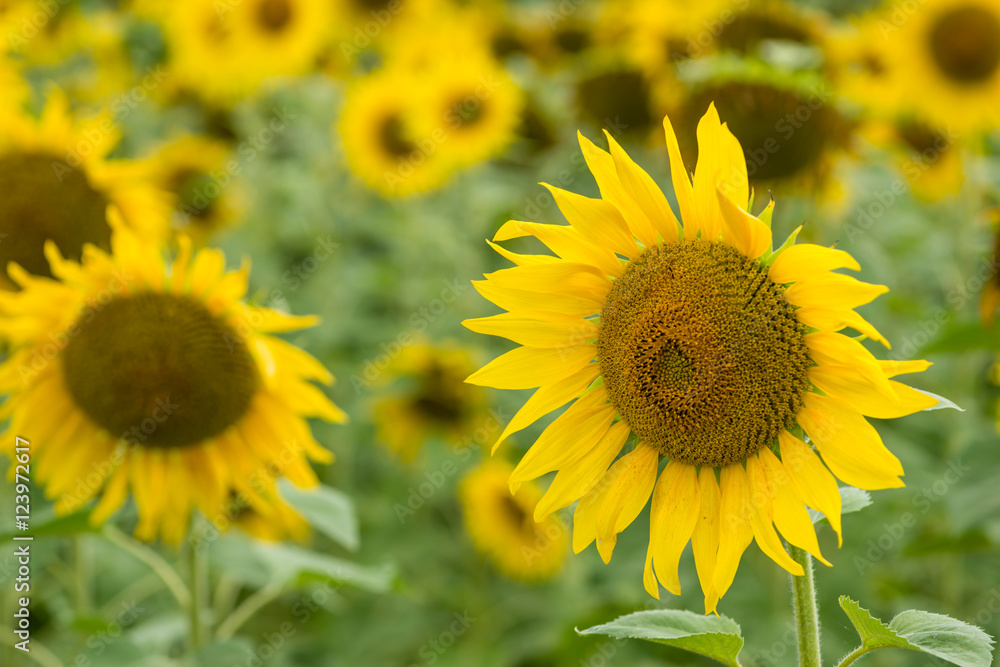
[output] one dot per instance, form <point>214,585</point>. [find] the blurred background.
<point>360,153</point>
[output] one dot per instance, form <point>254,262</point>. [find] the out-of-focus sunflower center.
<point>160,369</point>
<point>274,15</point>
<point>194,188</point>
<point>619,98</point>
<point>701,354</point>
<point>513,513</point>
<point>747,30</point>
<point>965,44</point>
<point>927,142</point>
<point>468,111</point>
<point>392,138</point>
<point>783,132</point>
<point>44,199</point>
<point>440,396</point>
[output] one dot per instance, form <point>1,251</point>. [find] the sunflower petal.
<point>675,512</point>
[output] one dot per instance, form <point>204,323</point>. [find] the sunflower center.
<point>783,132</point>
<point>923,140</point>
<point>467,110</point>
<point>965,44</point>
<point>44,199</point>
<point>392,137</point>
<point>616,99</point>
<point>701,354</point>
<point>193,188</point>
<point>747,30</point>
<point>440,396</point>
<point>160,370</point>
<point>513,511</point>
<point>274,15</point>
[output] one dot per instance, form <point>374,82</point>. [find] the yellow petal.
<point>569,243</point>
<point>597,220</point>
<point>527,367</point>
<point>762,517</point>
<point>810,479</point>
<point>790,515</point>
<point>721,165</point>
<point>523,260</point>
<point>833,291</point>
<point>892,368</point>
<point>705,538</point>
<point>806,260</point>
<point>680,176</point>
<point>576,480</point>
<point>675,511</point>
<point>537,328</point>
<point>741,230</point>
<point>836,350</point>
<point>857,392</point>
<point>835,319</point>
<point>549,397</point>
<point>735,531</point>
<point>526,299</point>
<point>850,446</point>
<point>644,191</point>
<point>556,277</point>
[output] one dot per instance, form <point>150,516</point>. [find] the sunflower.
<point>272,520</point>
<point>225,55</point>
<point>949,54</point>
<point>165,383</point>
<point>380,142</point>
<point>13,88</point>
<point>436,400</point>
<point>470,107</point>
<point>192,168</point>
<point>718,353</point>
<point>501,525</point>
<point>930,159</point>
<point>58,185</point>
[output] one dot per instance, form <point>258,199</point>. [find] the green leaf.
<point>716,637</point>
<point>945,637</point>
<point>47,523</point>
<point>941,636</point>
<point>328,511</point>
<point>298,567</point>
<point>942,402</point>
<point>851,500</point>
<point>234,651</point>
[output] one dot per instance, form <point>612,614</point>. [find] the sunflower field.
<point>356,333</point>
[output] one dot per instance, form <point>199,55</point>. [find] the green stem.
<point>806,611</point>
<point>81,575</point>
<point>197,574</point>
<point>38,652</point>
<point>248,608</point>
<point>852,656</point>
<point>152,559</point>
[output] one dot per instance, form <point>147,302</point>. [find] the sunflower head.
<point>696,339</point>
<point>168,385</point>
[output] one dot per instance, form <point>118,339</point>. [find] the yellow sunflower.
<point>193,169</point>
<point>502,527</point>
<point>930,159</point>
<point>272,520</point>
<point>224,52</point>
<point>469,108</point>
<point>58,184</point>
<point>13,88</point>
<point>166,384</point>
<point>435,400</point>
<point>949,52</point>
<point>380,141</point>
<point>720,354</point>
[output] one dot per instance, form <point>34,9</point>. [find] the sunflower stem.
<point>81,575</point>
<point>805,609</point>
<point>152,559</point>
<point>197,572</point>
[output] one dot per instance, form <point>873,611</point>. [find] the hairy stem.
<point>806,611</point>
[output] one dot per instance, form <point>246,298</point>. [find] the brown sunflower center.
<point>194,189</point>
<point>274,15</point>
<point>783,132</point>
<point>440,396</point>
<point>616,99</point>
<point>747,30</point>
<point>392,138</point>
<point>467,111</point>
<point>160,370</point>
<point>965,44</point>
<point>44,199</point>
<point>923,140</point>
<point>701,354</point>
<point>512,511</point>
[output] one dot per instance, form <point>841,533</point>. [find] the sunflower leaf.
<point>937,635</point>
<point>327,510</point>
<point>297,567</point>
<point>715,637</point>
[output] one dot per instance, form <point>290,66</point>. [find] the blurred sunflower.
<point>380,141</point>
<point>13,87</point>
<point>437,401</point>
<point>929,159</point>
<point>224,55</point>
<point>949,53</point>
<point>471,108</point>
<point>789,127</point>
<point>718,353</point>
<point>272,520</point>
<point>58,185</point>
<point>166,384</point>
<point>192,168</point>
<point>502,527</point>
<point>989,301</point>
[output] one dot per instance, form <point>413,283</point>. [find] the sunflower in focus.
<point>718,353</point>
<point>226,54</point>
<point>949,52</point>
<point>435,400</point>
<point>167,385</point>
<point>192,168</point>
<point>471,108</point>
<point>502,527</point>
<point>58,186</point>
<point>380,141</point>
